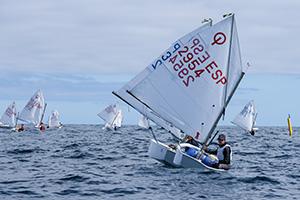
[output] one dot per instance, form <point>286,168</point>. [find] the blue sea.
<point>86,162</point>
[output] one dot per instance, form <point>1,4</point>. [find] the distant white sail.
<point>118,120</point>
<point>112,116</point>
<point>144,122</point>
<point>9,116</point>
<point>191,84</point>
<point>54,119</point>
<point>33,111</point>
<point>247,117</point>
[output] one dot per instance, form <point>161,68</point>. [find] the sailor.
<point>42,127</point>
<point>223,153</point>
<point>252,132</point>
<point>20,128</point>
<point>189,139</point>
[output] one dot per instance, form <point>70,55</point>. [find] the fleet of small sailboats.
<point>31,115</point>
<point>246,118</point>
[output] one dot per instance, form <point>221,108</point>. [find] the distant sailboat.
<point>246,118</point>
<point>112,116</point>
<point>34,110</point>
<point>189,87</point>
<point>53,121</point>
<point>8,119</point>
<point>144,122</point>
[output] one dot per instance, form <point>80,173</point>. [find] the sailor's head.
<point>221,139</point>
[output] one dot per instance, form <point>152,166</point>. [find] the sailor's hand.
<point>204,148</point>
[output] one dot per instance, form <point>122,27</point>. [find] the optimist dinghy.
<point>246,118</point>
<point>188,87</point>
<point>113,117</point>
<point>33,112</point>
<point>8,119</point>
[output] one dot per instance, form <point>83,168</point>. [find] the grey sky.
<point>123,36</point>
<point>81,50</point>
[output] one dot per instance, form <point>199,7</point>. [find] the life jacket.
<point>220,153</point>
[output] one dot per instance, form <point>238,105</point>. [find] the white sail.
<point>112,116</point>
<point>247,117</point>
<point>144,122</point>
<point>118,119</point>
<point>54,119</point>
<point>33,111</point>
<point>193,83</point>
<point>9,116</point>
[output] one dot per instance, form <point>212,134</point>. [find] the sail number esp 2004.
<point>193,61</point>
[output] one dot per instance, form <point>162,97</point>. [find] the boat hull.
<point>164,154</point>
<point>161,152</point>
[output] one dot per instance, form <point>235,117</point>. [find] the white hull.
<point>163,153</point>
<point>5,127</point>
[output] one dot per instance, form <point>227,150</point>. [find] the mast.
<point>228,62</point>
<point>43,113</point>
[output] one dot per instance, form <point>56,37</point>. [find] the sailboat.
<point>8,119</point>
<point>144,122</point>
<point>113,117</point>
<point>53,121</point>
<point>188,87</point>
<point>246,118</point>
<point>33,112</point>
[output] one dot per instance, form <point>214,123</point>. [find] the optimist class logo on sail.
<point>194,61</point>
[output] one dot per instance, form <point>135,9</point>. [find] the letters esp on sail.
<point>191,83</point>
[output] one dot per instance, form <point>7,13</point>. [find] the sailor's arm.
<point>210,151</point>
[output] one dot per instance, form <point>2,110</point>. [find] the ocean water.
<point>86,162</point>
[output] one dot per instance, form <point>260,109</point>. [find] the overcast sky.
<point>78,51</point>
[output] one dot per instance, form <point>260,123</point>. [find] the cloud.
<point>57,87</point>
<point>109,37</point>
